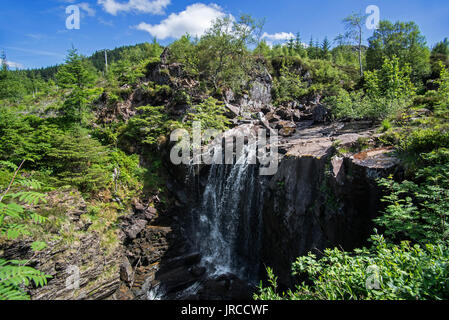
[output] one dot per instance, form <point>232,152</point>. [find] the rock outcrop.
<point>320,198</point>
<point>81,265</point>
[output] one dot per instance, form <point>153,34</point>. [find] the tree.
<point>401,39</point>
<point>441,47</point>
<point>223,58</point>
<point>299,46</point>
<point>11,85</point>
<point>325,47</point>
<point>439,57</point>
<point>311,49</point>
<point>183,51</point>
<point>354,34</point>
<point>75,76</point>
<point>392,81</point>
<point>263,49</point>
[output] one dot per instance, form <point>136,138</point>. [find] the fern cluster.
<point>15,275</point>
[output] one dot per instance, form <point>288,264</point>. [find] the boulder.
<point>126,271</point>
<point>286,128</point>
<point>320,114</point>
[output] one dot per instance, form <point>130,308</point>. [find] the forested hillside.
<point>97,139</point>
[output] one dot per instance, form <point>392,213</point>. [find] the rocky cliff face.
<point>82,265</point>
<point>319,198</point>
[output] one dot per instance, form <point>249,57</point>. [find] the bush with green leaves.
<point>418,209</point>
<point>289,86</point>
<point>391,81</point>
<point>356,105</point>
<point>384,272</point>
<point>79,160</point>
<point>387,92</point>
<point>15,219</point>
<point>148,126</point>
<point>211,115</point>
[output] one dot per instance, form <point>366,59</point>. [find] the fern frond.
<point>13,275</point>
<point>29,197</point>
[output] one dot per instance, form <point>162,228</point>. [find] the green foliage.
<point>403,40</point>
<point>75,75</point>
<point>127,72</point>
<point>11,86</point>
<point>442,108</point>
<point>419,210</point>
<point>14,223</point>
<point>69,155</point>
<point>149,126</point>
<point>402,272</point>
<point>183,51</point>
<point>77,159</point>
<point>391,81</point>
<point>134,54</point>
<point>221,58</point>
<point>387,91</point>
<point>211,115</point>
<point>130,174</point>
<point>356,105</point>
<point>328,80</point>
<point>289,85</point>
<point>15,274</point>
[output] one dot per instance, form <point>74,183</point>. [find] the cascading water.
<point>229,218</point>
<point>224,226</point>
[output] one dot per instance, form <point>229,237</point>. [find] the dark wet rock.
<point>135,228</point>
<point>126,271</point>
<point>320,114</point>
<point>319,200</point>
<point>225,287</point>
<point>197,271</point>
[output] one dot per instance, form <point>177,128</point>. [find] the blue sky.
<point>34,33</point>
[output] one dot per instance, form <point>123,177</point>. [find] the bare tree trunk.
<point>360,51</point>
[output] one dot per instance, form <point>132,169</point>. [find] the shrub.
<point>384,272</point>
<point>211,115</point>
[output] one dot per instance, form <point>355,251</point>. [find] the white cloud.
<point>144,6</point>
<point>277,37</point>
<point>194,20</point>
<point>11,64</point>
<point>86,7</point>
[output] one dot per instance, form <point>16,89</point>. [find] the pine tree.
<point>76,76</point>
<point>299,47</point>
<point>311,49</point>
<point>325,47</point>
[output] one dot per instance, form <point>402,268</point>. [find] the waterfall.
<point>229,219</point>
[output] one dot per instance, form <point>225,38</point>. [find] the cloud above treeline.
<point>12,65</point>
<point>277,37</point>
<point>139,6</point>
<point>194,20</point>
